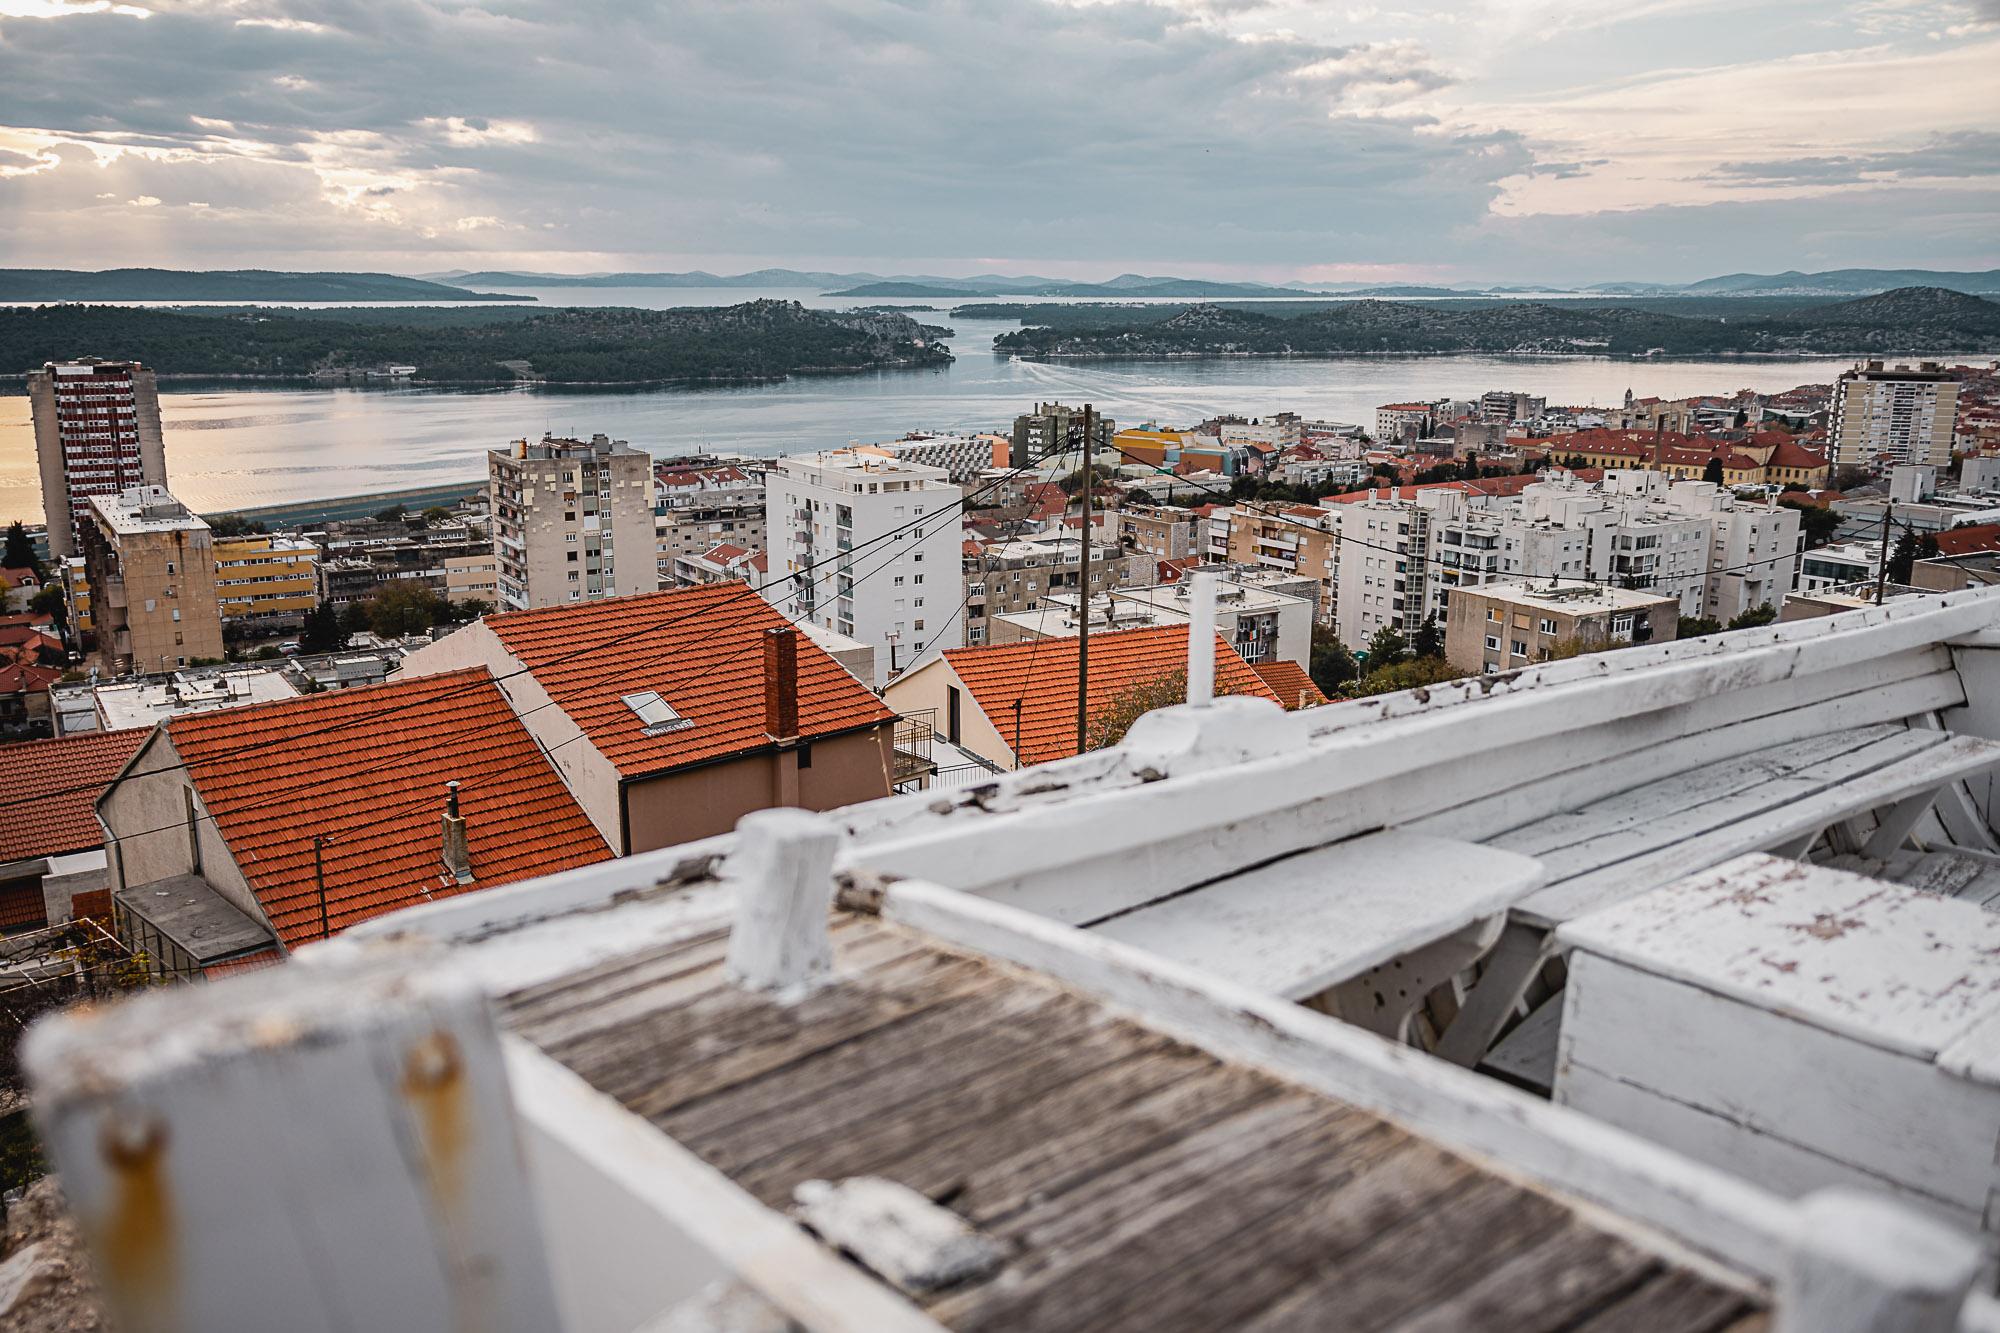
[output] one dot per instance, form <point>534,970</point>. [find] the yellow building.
<point>262,577</point>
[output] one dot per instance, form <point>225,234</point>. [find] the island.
<point>754,341</point>
<point>248,284</point>
<point>1909,320</point>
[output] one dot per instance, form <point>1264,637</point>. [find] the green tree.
<point>404,606</point>
<point>354,617</point>
<point>1387,648</point>
<point>1817,522</point>
<point>393,514</point>
<point>51,602</point>
<point>1712,470</point>
<point>323,632</point>
<point>235,525</point>
<point>20,553</point>
<point>1332,666</point>
<point>1109,722</point>
<point>1755,616</point>
<point>1404,676</point>
<point>1428,641</point>
<point>1695,627</point>
<point>436,515</point>
<point>1904,557</point>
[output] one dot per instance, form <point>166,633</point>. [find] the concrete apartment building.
<point>703,501</point>
<point>868,547</point>
<point>472,578</point>
<point>1503,626</point>
<point>1053,428</point>
<point>264,581</point>
<point>149,564</point>
<point>97,432</point>
<point>1004,577</point>
<point>963,457</point>
<point>1297,540</point>
<point>1261,623</point>
<point>572,520</point>
<point>1893,414</point>
<point>1393,420</point>
<point>359,555</point>
<point>1164,532</point>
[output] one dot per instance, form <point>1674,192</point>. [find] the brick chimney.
<point>781,684</point>
<point>457,858</point>
<point>1659,441</point>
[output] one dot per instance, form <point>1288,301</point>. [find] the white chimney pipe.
<point>1201,640</point>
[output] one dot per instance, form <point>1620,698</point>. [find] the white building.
<point>1392,418</point>
<point>1838,565</point>
<point>702,501</point>
<point>867,546</point>
<point>1899,414</point>
<point>963,457</point>
<point>1260,624</point>
<point>572,520</point>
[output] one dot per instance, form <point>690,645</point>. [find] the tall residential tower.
<point>572,520</point>
<point>97,432</point>
<point>1897,414</point>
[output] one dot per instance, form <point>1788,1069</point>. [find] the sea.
<point>237,445</point>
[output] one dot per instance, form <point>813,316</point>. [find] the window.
<point>1520,648</point>
<point>1493,642</point>
<point>920,625</point>
<point>1621,624</point>
<point>1548,626</point>
<point>1492,614</point>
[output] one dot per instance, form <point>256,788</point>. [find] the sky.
<point>1527,141</point>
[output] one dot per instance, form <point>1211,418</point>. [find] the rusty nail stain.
<point>138,1239</point>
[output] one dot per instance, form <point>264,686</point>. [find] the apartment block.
<point>1297,540</point>
<point>1504,626</point>
<point>1005,577</point>
<point>472,578</point>
<point>963,457</point>
<point>1163,532</point>
<point>572,520</point>
<point>1887,415</point>
<point>1053,428</point>
<point>1393,419</point>
<point>266,581</point>
<point>868,547</point>
<point>150,567</point>
<point>97,432</point>
<point>703,501</point>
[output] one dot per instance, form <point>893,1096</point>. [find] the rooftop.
<point>56,784</point>
<point>552,447</point>
<point>138,509</point>
<point>143,703</point>
<point>701,650</point>
<point>1573,598</point>
<point>365,770</point>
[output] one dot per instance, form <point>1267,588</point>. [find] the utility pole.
<point>1083,594</point>
<point>1882,565</point>
<point>319,878</point>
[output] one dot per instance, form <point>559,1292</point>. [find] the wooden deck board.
<point>1133,1182</point>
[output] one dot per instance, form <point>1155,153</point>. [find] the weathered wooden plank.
<point>1526,1057</point>
<point>1297,926</point>
<point>1403,1269</point>
<point>588,986</point>
<point>1568,1273</point>
<point>1673,1301</point>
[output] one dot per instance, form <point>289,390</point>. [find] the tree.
<point>51,602</point>
<point>235,525</point>
<point>1387,648</point>
<point>1849,477</point>
<point>403,606</point>
<point>1114,717</point>
<point>354,617</point>
<point>20,553</point>
<point>1817,522</point>
<point>1428,641</point>
<point>472,608</point>
<point>1332,666</point>
<point>1695,627</point>
<point>1910,548</point>
<point>323,632</point>
<point>435,515</point>
<point>1139,497</point>
<point>1712,470</point>
<point>1755,616</point>
<point>393,514</point>
<point>1404,676</point>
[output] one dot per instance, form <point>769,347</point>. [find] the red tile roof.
<point>53,819</point>
<point>1494,486</point>
<point>1289,681</point>
<point>366,768</point>
<point>702,650</point>
<point>1970,538</point>
<point>997,675</point>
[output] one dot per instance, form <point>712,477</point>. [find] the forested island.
<point>247,284</point>
<point>758,340</point>
<point>1911,320</point>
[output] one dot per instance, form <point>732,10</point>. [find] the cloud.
<point>144,201</point>
<point>1959,155</point>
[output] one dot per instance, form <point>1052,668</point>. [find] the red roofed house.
<point>51,845</point>
<point>1014,704</point>
<point>673,714</point>
<point>1289,681</point>
<point>243,833</point>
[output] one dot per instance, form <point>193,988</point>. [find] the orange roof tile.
<point>1289,681</point>
<point>366,768</point>
<point>702,650</point>
<point>997,675</point>
<point>1970,538</point>
<point>52,818</point>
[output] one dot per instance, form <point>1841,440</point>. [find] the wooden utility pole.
<point>1882,565</point>
<point>1083,595</point>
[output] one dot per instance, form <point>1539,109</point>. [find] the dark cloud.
<point>1963,154</point>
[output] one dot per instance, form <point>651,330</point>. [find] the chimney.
<point>457,857</point>
<point>781,684</point>
<point>1659,441</point>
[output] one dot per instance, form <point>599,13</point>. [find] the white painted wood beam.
<point>782,870</point>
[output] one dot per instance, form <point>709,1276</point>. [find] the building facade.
<point>263,580</point>
<point>1297,540</point>
<point>1504,626</point>
<point>572,520</point>
<point>150,567</point>
<point>1004,577</point>
<point>868,547</point>
<point>1053,428</point>
<point>1887,415</point>
<point>97,432</point>
<point>704,501</point>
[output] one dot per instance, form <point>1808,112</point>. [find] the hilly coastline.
<point>250,284</point>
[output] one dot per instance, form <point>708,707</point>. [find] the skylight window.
<point>656,716</point>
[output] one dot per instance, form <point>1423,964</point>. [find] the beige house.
<point>674,714</point>
<point>470,578</point>
<point>1503,626</point>
<point>150,566</point>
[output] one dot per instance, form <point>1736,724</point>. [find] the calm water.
<point>239,447</point>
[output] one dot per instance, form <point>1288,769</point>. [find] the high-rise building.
<point>150,566</point>
<point>572,520</point>
<point>1896,414</point>
<point>97,432</point>
<point>868,547</point>
<point>1052,429</point>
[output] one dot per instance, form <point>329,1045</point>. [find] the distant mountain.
<point>164,284</point>
<point>1838,282</point>
<point>1908,319</point>
<point>1408,291</point>
<point>763,277</point>
<point>907,289</point>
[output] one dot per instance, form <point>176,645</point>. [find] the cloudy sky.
<point>1489,140</point>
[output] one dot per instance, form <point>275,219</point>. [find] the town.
<point>234,738</point>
